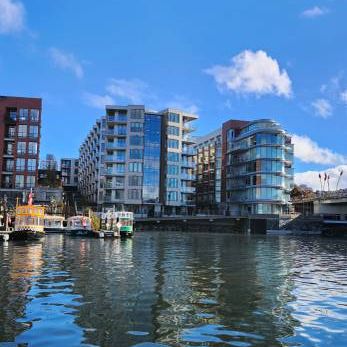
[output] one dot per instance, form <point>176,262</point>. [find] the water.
<point>174,289</point>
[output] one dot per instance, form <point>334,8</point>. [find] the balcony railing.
<point>187,177</point>
<point>188,150</point>
<point>190,164</point>
<point>188,189</point>
<point>117,118</point>
<point>114,158</point>
<point>115,145</point>
<point>116,132</point>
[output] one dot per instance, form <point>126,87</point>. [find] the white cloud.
<point>314,12</point>
<point>252,73</point>
<point>66,61</point>
<point>309,151</point>
<point>343,96</point>
<point>12,15</point>
<point>183,104</point>
<point>322,108</point>
<point>134,91</point>
<point>311,178</point>
<point>98,101</point>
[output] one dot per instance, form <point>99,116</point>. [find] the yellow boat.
<point>29,222</point>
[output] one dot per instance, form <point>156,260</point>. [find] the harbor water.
<point>174,289</point>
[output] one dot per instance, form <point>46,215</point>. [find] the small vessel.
<point>29,221</point>
<point>79,226</point>
<point>108,224</point>
<point>54,224</point>
<point>125,223</point>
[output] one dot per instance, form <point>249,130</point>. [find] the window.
<point>119,168</point>
<point>134,194</point>
<point>173,156</point>
<point>9,165</point>
<point>172,170</point>
<point>119,194</point>
<point>134,181</point>
<point>172,143</point>
<point>22,130</point>
<point>23,114</point>
<point>31,181</point>
<point>21,147</point>
<point>11,132</point>
<point>34,115</point>
<point>172,130</point>
<point>136,153</point>
<point>120,130</point>
<point>9,148</point>
<point>31,164</point>
<point>19,181</point>
<point>172,182</point>
<point>174,117</point>
<point>136,127</point>
<point>20,164</point>
<point>32,148</point>
<point>136,140</point>
<point>136,114</point>
<point>135,167</point>
<point>172,196</point>
<point>33,131</point>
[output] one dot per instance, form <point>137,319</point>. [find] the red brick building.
<point>20,130</point>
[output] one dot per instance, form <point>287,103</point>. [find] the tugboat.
<point>29,221</point>
<point>79,226</point>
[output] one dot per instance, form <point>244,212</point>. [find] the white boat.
<point>79,226</point>
<point>54,224</point>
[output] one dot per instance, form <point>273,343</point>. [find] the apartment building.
<point>257,167</point>
<point>69,172</point>
<point>20,126</point>
<point>209,172</point>
<point>141,160</point>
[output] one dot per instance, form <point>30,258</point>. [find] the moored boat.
<point>29,222</point>
<point>79,226</point>
<point>54,224</point>
<point>125,223</point>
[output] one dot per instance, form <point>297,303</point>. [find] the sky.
<point>245,59</point>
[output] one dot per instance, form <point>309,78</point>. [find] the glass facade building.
<point>258,169</point>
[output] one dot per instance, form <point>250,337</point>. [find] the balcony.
<point>117,118</point>
<point>115,145</point>
<point>188,139</point>
<point>187,128</point>
<point>188,189</point>
<point>110,185</point>
<point>111,172</point>
<point>188,150</point>
<point>187,177</point>
<point>116,132</point>
<point>114,158</point>
<point>189,164</point>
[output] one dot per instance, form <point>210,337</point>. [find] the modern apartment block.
<point>20,126</point>
<point>140,159</point>
<point>257,167</point>
<point>209,172</point>
<point>69,171</point>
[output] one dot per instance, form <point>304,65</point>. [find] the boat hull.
<point>54,230</point>
<point>79,232</point>
<point>27,234</point>
<point>126,231</point>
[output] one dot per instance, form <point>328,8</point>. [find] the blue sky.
<point>284,60</point>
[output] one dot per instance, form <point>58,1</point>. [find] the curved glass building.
<point>258,167</point>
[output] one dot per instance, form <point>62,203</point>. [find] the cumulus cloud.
<point>314,12</point>
<point>309,151</point>
<point>66,61</point>
<point>252,73</point>
<point>183,104</point>
<point>322,108</point>
<point>98,101</point>
<point>132,90</point>
<point>12,15</point>
<point>311,178</point>
<point>343,96</point>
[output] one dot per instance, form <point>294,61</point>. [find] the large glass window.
<point>136,127</point>
<point>173,156</point>
<point>21,147</point>
<point>31,181</point>
<point>136,140</point>
<point>32,148</point>
<point>19,181</point>
<point>171,143</point>
<point>174,117</point>
<point>9,166</point>
<point>33,131</point>
<point>172,169</point>
<point>172,182</point>
<point>20,164</point>
<point>23,114</point>
<point>134,181</point>
<point>172,130</point>
<point>135,167</point>
<point>31,164</point>
<point>172,196</point>
<point>119,168</point>
<point>22,130</point>
<point>136,153</point>
<point>134,194</point>
<point>34,115</point>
